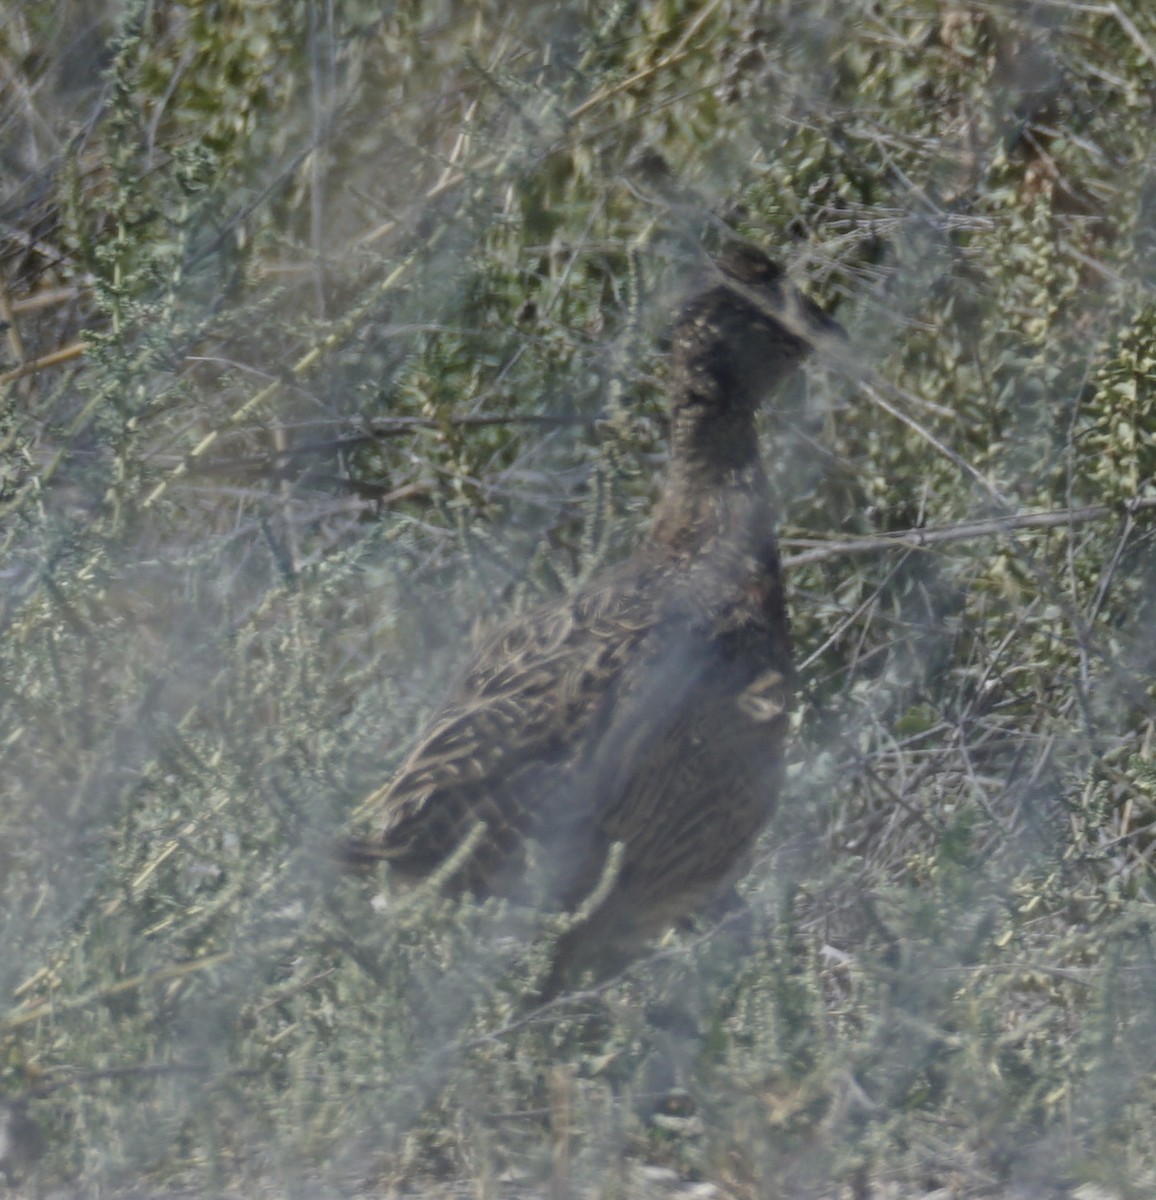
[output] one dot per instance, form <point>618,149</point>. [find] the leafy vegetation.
<point>332,331</point>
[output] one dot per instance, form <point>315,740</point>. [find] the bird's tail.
<point>359,855</point>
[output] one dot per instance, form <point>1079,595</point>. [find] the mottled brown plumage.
<point>650,708</point>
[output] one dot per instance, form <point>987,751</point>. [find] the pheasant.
<point>634,731</point>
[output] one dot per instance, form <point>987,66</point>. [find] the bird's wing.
<point>673,794</point>
<point>531,698</point>
<point>690,764</point>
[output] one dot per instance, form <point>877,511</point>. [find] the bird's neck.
<point>716,486</point>
<point>708,441</point>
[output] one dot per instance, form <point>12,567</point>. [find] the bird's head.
<point>742,331</point>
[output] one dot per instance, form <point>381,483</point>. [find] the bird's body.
<point>641,720</point>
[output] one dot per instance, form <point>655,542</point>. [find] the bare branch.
<point>823,550</point>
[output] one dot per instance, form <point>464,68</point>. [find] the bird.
<point>634,731</point>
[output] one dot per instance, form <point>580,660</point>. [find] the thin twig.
<point>922,539</point>
<point>52,1007</point>
<point>66,354</point>
<point>45,298</point>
